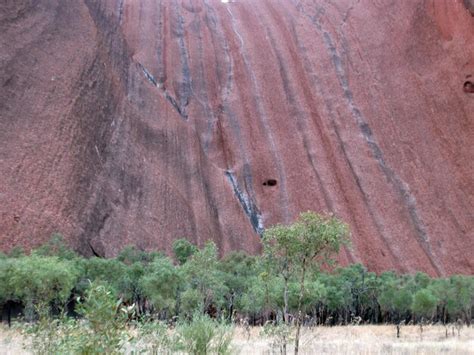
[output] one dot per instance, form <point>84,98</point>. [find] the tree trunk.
<point>300,302</point>
<point>285,300</point>
<point>285,311</point>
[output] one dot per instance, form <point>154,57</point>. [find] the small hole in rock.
<point>468,87</point>
<point>270,182</point>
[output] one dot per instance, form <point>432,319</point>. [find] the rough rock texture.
<point>144,121</point>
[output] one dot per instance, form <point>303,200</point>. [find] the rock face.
<point>139,122</point>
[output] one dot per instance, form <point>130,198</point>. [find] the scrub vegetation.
<point>146,302</point>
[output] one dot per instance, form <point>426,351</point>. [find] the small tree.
<point>39,282</point>
<point>203,277</point>
<point>160,284</point>
<point>183,250</point>
<point>239,270</point>
<point>56,246</point>
<point>310,241</point>
<point>424,303</point>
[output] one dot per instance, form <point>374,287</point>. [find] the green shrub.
<point>202,335</point>
<point>56,247</point>
<point>202,273</point>
<point>160,284</point>
<point>102,330</point>
<point>104,320</point>
<point>191,302</point>
<point>183,250</point>
<point>44,334</point>
<point>130,255</point>
<point>39,282</point>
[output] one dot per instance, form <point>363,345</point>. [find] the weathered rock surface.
<point>145,121</point>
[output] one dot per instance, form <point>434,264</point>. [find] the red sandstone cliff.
<point>144,121</point>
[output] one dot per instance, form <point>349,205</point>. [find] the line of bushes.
<point>238,287</point>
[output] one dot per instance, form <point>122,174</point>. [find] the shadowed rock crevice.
<point>182,88</point>
<point>181,111</point>
<point>469,4</point>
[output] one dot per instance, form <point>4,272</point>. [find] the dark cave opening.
<point>270,182</point>
<point>468,87</point>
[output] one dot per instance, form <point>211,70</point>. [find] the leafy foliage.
<point>37,280</point>
<point>424,303</point>
<point>160,284</point>
<point>203,335</point>
<point>286,283</point>
<point>202,273</point>
<point>307,243</point>
<point>183,250</point>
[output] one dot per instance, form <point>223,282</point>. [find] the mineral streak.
<point>139,122</point>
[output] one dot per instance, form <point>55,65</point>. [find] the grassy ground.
<point>364,339</point>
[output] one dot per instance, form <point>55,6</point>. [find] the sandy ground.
<point>364,339</point>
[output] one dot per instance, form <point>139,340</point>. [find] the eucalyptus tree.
<point>238,269</point>
<point>461,297</point>
<point>205,286</point>
<point>183,250</point>
<point>39,282</point>
<point>161,283</point>
<point>311,241</point>
<point>424,303</point>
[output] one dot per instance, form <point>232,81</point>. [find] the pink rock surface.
<point>139,122</point>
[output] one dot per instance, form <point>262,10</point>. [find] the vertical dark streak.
<point>120,11</point>
<point>185,87</point>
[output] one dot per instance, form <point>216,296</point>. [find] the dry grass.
<point>11,341</point>
<point>364,339</point>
